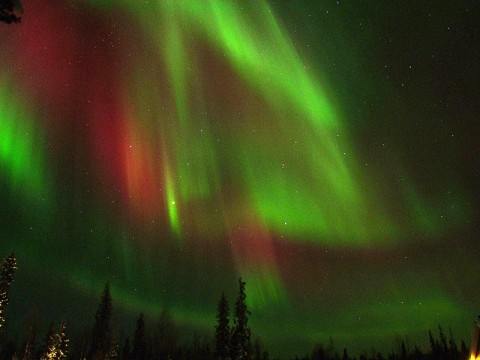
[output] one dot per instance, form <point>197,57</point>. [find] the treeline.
<point>440,349</point>
<point>161,341</point>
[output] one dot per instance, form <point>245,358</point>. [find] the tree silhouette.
<point>102,333</point>
<point>57,344</point>
<point>434,345</point>
<point>29,346</point>
<point>240,345</point>
<point>443,343</point>
<point>8,11</point>
<point>44,346</point>
<point>113,352</point>
<point>126,352</point>
<point>403,351</point>
<point>62,340</point>
<point>222,330</point>
<point>6,279</point>
<point>166,336</point>
<point>9,350</point>
<point>453,348</point>
<point>139,351</point>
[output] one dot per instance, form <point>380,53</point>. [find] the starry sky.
<point>327,152</point>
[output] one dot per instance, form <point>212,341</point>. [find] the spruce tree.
<point>443,342</point>
<point>126,352</point>
<point>453,348</point>
<point>403,351</point>
<point>257,350</point>
<point>62,341</point>
<point>6,279</point>
<point>8,350</point>
<point>222,330</point>
<point>240,346</point>
<point>102,333</point>
<point>434,345</point>
<point>139,351</point>
<point>417,353</point>
<point>464,350</point>
<point>166,336</point>
<point>46,342</point>
<point>28,349</point>
<point>113,352</point>
<point>57,347</point>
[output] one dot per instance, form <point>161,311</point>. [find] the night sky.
<point>325,151</point>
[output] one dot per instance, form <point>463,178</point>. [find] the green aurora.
<point>322,151</point>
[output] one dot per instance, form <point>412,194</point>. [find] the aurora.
<point>169,147</point>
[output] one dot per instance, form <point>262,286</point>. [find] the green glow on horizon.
<point>379,318</point>
<point>124,299</point>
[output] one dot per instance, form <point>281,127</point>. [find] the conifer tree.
<point>453,348</point>
<point>62,341</point>
<point>29,346</point>
<point>240,346</point>
<point>102,333</point>
<point>222,330</point>
<point>166,336</point>
<point>46,342</point>
<point>6,279</point>
<point>9,350</point>
<point>113,352</point>
<point>464,350</point>
<point>257,353</point>
<point>83,347</point>
<point>417,353</point>
<point>57,348</point>
<point>139,351</point>
<point>434,345</point>
<point>319,353</point>
<point>126,352</point>
<point>443,342</point>
<point>403,351</point>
